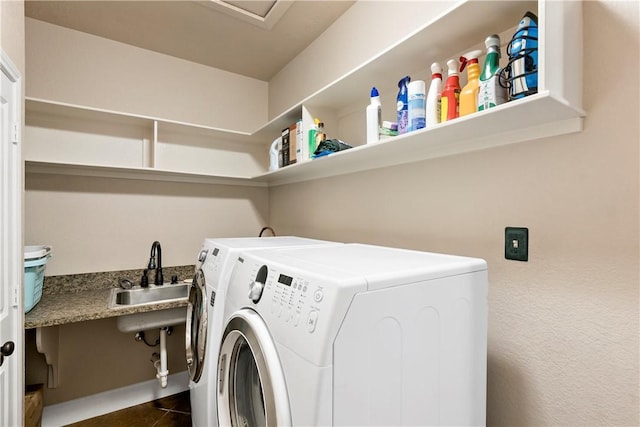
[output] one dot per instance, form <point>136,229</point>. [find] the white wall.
<point>563,327</point>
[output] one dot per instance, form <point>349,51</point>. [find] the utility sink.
<point>138,297</point>
<point>152,295</point>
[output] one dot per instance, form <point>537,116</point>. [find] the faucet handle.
<point>174,279</point>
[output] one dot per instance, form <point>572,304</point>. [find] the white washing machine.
<point>354,335</point>
<point>205,315</point>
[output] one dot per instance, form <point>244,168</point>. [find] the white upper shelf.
<point>555,110</point>
<point>534,117</point>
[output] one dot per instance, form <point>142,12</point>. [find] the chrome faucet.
<point>159,280</point>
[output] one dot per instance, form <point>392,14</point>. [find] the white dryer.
<point>354,335</point>
<point>205,315</point>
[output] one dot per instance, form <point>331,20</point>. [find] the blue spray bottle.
<point>403,105</point>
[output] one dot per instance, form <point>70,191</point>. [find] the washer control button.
<point>312,321</point>
<point>296,318</point>
<point>318,295</point>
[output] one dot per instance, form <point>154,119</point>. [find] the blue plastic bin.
<point>35,260</point>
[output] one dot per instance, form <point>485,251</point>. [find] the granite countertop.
<point>81,297</point>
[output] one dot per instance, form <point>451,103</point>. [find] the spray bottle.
<point>433,96</point>
<point>312,137</point>
<point>374,117</point>
<point>469,94</point>
<point>403,106</point>
<point>450,94</point>
<point>491,93</point>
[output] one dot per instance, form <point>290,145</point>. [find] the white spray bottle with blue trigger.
<point>374,117</point>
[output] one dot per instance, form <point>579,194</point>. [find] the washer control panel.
<point>212,265</point>
<point>303,306</point>
<point>290,298</point>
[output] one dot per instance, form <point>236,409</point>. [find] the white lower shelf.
<point>534,117</point>
<point>145,174</point>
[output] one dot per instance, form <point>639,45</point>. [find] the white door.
<point>11,257</point>
<point>251,387</point>
<point>196,328</point>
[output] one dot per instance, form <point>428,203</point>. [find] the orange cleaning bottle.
<point>469,93</point>
<point>451,93</point>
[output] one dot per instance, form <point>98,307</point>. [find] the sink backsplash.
<point>109,279</point>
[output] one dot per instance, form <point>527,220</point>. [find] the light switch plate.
<point>516,243</point>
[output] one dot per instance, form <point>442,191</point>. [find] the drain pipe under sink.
<point>160,360</point>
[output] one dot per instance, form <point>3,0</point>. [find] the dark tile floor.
<point>170,411</point>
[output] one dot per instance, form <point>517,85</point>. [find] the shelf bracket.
<point>48,343</point>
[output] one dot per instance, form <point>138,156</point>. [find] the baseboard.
<point>98,404</point>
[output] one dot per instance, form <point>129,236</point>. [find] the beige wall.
<point>78,68</point>
<point>95,357</point>
<point>563,327</point>
<point>12,31</point>
<point>101,224</point>
<point>365,29</point>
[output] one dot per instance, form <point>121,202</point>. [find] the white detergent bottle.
<point>416,104</point>
<point>374,117</point>
<point>273,154</point>
<point>433,96</point>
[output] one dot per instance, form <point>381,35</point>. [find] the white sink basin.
<point>137,297</point>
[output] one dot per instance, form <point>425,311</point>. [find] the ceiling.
<point>252,38</point>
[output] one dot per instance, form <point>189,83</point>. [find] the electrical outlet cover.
<point>516,243</point>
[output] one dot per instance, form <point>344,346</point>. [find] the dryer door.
<point>251,387</point>
<point>196,326</point>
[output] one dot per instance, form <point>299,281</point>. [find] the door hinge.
<point>14,297</point>
<point>15,134</point>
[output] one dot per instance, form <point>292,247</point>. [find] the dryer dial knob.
<point>255,291</point>
<point>203,255</point>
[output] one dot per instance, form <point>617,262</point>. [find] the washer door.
<point>251,387</point>
<point>196,326</point>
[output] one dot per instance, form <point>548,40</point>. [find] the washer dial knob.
<point>257,286</point>
<point>255,291</point>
